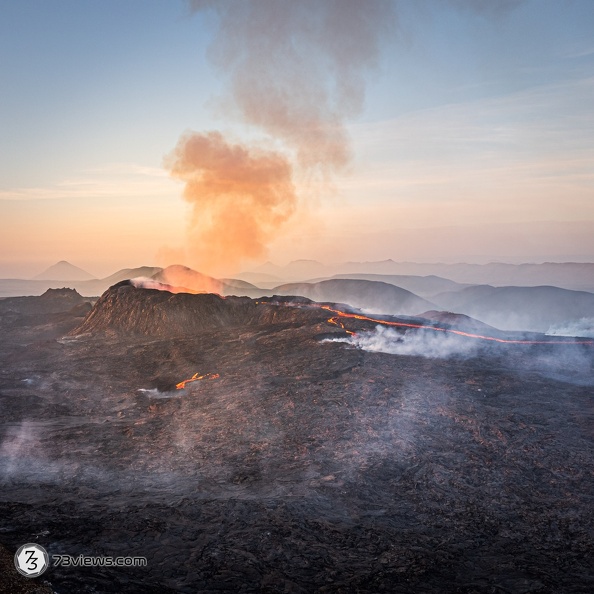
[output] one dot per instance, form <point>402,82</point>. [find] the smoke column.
<point>295,71</point>
<point>240,196</point>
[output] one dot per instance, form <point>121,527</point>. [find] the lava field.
<point>295,460</point>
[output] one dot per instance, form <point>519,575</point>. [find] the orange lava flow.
<point>195,378</point>
<point>343,314</point>
<point>338,323</point>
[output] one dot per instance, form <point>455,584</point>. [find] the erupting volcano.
<point>330,341</point>
<point>320,442</point>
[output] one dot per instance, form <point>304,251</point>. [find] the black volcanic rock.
<point>64,293</point>
<point>52,301</point>
<point>305,465</point>
<point>81,309</point>
<point>13,582</point>
<point>126,309</point>
<point>48,316</point>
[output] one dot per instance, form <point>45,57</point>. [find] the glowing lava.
<point>195,378</point>
<point>340,324</point>
<point>343,314</point>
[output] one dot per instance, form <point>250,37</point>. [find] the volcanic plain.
<point>295,460</point>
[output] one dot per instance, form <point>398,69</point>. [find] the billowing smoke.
<point>239,196</point>
<point>179,279</point>
<point>432,345</point>
<point>296,71</point>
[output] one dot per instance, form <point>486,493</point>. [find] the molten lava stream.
<point>337,322</point>
<point>195,378</point>
<point>342,314</point>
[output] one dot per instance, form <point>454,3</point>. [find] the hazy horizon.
<point>414,131</point>
<point>106,271</point>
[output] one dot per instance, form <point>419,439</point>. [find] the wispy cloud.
<point>579,51</point>
<point>112,180</point>
<point>535,144</point>
<point>535,119</point>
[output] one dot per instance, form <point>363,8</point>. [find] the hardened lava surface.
<point>307,465</point>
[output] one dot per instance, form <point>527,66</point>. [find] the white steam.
<point>156,393</point>
<point>143,282</point>
<point>434,345</point>
<point>576,328</point>
<point>19,442</point>
<point>26,454</point>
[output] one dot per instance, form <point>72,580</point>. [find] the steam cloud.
<point>180,279</point>
<point>570,363</point>
<point>580,328</point>
<point>19,441</point>
<point>296,72</point>
<point>143,282</point>
<point>434,345</point>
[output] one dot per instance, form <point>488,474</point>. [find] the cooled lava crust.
<point>306,466</point>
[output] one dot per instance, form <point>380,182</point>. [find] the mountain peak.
<point>64,271</point>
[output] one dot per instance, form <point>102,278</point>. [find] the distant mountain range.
<point>175,275</point>
<point>530,308</point>
<point>92,287</point>
<point>64,271</point>
<point>519,308</point>
<point>425,286</point>
<point>568,275</point>
<point>422,278</point>
<point>371,296</point>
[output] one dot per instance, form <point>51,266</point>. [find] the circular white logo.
<point>31,560</point>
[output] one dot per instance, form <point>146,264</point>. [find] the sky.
<point>417,130</point>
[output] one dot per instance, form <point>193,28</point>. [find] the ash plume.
<point>239,197</point>
<point>296,71</point>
